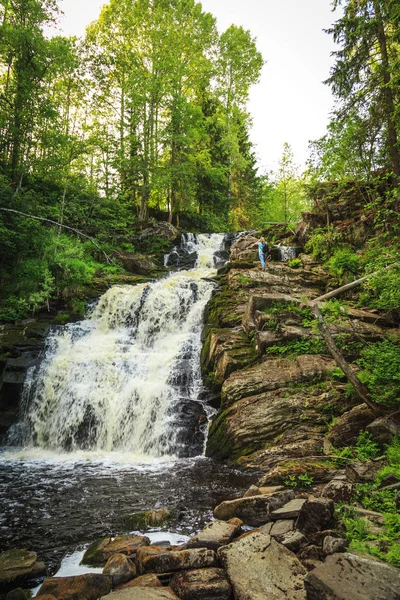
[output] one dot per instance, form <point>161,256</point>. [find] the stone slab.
<point>291,510</point>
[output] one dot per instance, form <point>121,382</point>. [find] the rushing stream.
<point>112,420</point>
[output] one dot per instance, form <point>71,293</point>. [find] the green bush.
<point>380,364</point>
<point>323,242</point>
<point>343,264</point>
<point>383,291</point>
<point>295,263</point>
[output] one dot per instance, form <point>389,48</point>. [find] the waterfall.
<point>128,377</point>
<point>194,250</point>
<point>288,252</point>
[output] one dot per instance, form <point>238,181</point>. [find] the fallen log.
<point>359,387</point>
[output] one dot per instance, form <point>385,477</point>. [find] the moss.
<point>146,519</point>
<point>94,556</point>
<point>221,310</point>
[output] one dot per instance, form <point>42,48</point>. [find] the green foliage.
<point>298,347</point>
<point>366,448</point>
<point>333,310</point>
<point>295,263</point>
<point>385,544</point>
<point>343,264</point>
<point>380,364</point>
<point>322,243</point>
<point>302,480</point>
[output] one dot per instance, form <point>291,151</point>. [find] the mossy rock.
<point>288,472</point>
<point>221,311</point>
<point>19,594</point>
<point>149,518</point>
<point>94,556</point>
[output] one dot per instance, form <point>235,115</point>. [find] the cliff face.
<point>278,384</point>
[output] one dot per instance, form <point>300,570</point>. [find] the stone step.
<point>290,510</point>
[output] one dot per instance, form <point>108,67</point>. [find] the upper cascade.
<point>128,377</point>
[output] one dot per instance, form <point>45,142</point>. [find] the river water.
<point>114,421</point>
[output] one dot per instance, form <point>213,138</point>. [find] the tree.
<point>364,77</point>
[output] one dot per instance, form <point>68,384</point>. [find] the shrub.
<point>381,371</point>
<point>343,264</point>
<point>295,263</point>
<point>322,242</point>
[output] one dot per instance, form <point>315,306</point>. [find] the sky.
<point>291,103</point>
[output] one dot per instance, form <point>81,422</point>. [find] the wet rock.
<point>120,568</point>
<point>259,567</point>
<point>315,515</point>
<point>291,510</point>
<point>85,587</point>
<point>350,577</point>
<point>255,510</point>
<point>202,584</point>
<point>338,491</point>
<point>362,472</point>
<point>226,351</point>
<point>136,263</point>
<point>19,594</point>
<point>215,534</point>
<point>333,544</point>
<point>196,558</point>
<point>148,518</point>
<point>349,426</point>
<point>94,556</point>
<point>293,541</point>
<point>142,593</point>
<point>385,428</point>
<point>145,551</point>
<point>149,580</point>
<point>18,566</point>
<point>125,544</point>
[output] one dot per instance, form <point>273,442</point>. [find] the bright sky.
<point>290,104</point>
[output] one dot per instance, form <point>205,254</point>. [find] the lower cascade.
<point>128,377</point>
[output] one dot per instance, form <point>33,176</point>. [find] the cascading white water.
<point>128,377</point>
<point>287,252</point>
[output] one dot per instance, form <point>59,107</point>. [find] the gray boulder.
<point>350,577</point>
<point>214,535</point>
<point>315,515</point>
<point>196,558</point>
<point>258,567</point>
<point>254,510</point>
<point>120,568</point>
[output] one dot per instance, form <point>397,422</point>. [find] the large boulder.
<point>149,580</point>
<point>94,556</point>
<point>350,577</point>
<point>348,427</point>
<point>120,568</point>
<point>254,510</point>
<point>259,567</point>
<point>157,230</point>
<point>315,515</point>
<point>245,249</point>
<point>90,586</point>
<point>215,534</point>
<point>136,263</point>
<point>125,544</point>
<point>145,551</point>
<point>260,407</point>
<point>18,566</point>
<point>226,351</point>
<point>202,584</point>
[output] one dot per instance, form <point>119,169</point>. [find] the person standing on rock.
<point>262,251</point>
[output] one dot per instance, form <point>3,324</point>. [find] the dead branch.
<point>341,361</point>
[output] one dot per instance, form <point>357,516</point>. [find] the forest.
<point>146,118</point>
